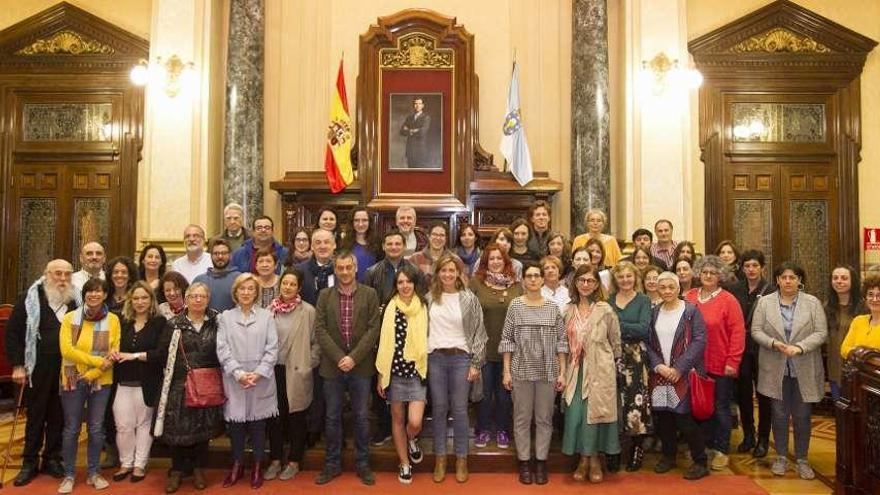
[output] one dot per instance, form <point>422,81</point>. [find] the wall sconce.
<point>173,74</point>
<point>666,70</point>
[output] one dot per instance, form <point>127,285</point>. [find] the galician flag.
<point>514,146</point>
<point>337,157</point>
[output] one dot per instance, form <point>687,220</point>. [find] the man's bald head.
<point>92,257</point>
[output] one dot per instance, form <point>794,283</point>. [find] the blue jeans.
<point>716,430</point>
<point>334,395</point>
<point>792,406</point>
<point>447,380</point>
<point>74,404</point>
<point>835,390</point>
<point>496,399</point>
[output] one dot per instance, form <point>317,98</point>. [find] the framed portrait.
<point>418,143</point>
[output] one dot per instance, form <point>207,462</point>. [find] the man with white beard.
<point>92,258</point>
<point>33,350</point>
<point>196,261</point>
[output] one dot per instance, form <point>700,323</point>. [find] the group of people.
<point>265,341</point>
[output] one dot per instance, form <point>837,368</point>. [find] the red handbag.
<point>702,395</point>
<point>204,386</point>
<point>702,391</point>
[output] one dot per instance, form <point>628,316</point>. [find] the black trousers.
<point>317,408</point>
<point>382,411</point>
<point>746,388</point>
<point>185,458</point>
<point>276,427</point>
<point>45,418</point>
<point>666,423</point>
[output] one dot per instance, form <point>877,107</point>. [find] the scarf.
<point>468,259</point>
<point>32,325</point>
<point>577,330</point>
<point>176,309</point>
<point>498,279</point>
<point>280,307</point>
<point>100,344</point>
<point>159,427</point>
<point>415,348</point>
<point>322,275</point>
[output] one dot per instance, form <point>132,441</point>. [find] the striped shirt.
<point>534,335</point>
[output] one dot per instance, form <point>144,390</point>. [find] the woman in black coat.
<point>185,429</point>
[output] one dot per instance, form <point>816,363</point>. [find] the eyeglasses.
<point>875,296</point>
<point>197,296</point>
<point>587,281</point>
<point>532,275</point>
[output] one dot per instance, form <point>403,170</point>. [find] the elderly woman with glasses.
<point>789,326</point>
<point>725,344</point>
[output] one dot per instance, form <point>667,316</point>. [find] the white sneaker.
<point>66,485</point>
<point>780,466</point>
<point>97,481</point>
<point>804,470</point>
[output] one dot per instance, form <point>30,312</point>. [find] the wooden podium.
<point>417,54</point>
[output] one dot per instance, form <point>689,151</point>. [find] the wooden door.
<point>787,211</point>
<point>71,137</point>
<point>780,133</point>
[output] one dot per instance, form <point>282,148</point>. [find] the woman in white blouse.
<point>456,353</point>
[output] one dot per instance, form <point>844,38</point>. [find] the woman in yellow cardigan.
<point>864,331</point>
<point>595,221</point>
<point>89,335</point>
<point>402,363</point>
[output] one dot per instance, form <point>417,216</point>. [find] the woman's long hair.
<point>436,284</point>
<point>832,306</point>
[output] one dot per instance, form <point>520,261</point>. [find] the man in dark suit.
<point>415,128</point>
<point>33,350</point>
<point>347,327</point>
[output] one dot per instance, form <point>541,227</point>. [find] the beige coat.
<point>298,352</point>
<point>809,331</point>
<point>600,339</point>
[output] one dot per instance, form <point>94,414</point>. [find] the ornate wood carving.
<point>69,37</point>
<point>415,51</point>
<point>858,424</point>
<point>791,56</point>
<point>779,40</point>
<point>66,42</point>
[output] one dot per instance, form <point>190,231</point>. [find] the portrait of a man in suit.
<point>419,146</point>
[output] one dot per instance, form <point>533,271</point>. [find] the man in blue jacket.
<point>263,231</point>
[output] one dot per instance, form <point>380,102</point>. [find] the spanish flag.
<point>337,158</point>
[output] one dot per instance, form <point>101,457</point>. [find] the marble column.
<point>243,154</point>
<point>590,124</point>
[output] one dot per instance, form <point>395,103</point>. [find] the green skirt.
<point>586,439</point>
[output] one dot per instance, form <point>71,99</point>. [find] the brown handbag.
<point>204,386</point>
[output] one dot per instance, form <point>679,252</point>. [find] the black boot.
<point>761,448</point>
<point>612,463</point>
<point>26,475</point>
<point>747,444</point>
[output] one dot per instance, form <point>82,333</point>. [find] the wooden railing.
<point>858,425</point>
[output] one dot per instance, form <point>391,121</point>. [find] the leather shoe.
<point>236,472</point>
<point>541,472</point>
<point>256,476</point>
<point>760,449</point>
<point>198,479</point>
<point>525,472</point>
<point>172,484</point>
<point>461,469</point>
<point>440,468</point>
<point>596,475</point>
<point>54,468</point>
<point>26,475</point>
<point>580,473</point>
<point>366,475</point>
<point>746,445</point>
<point>665,465</point>
<point>327,475</point>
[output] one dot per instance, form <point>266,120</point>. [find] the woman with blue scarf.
<point>89,335</point>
